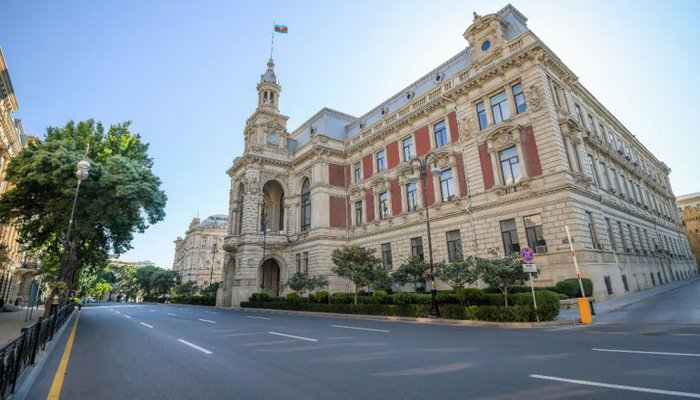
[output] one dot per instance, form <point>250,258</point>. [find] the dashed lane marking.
<point>207,320</point>
<point>128,316</point>
<point>619,387</point>
<point>194,346</point>
<point>360,329</point>
<point>172,314</point>
<point>656,353</point>
<point>248,316</point>
<point>146,325</point>
<point>293,337</point>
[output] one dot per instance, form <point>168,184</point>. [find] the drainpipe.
<point>466,177</point>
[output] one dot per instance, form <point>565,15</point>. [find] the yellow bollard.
<point>585,309</point>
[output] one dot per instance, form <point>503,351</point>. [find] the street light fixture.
<point>81,173</point>
<point>435,171</point>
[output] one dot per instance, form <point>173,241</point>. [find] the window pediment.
<point>502,135</point>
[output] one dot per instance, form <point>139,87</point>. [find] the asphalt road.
<point>650,350</point>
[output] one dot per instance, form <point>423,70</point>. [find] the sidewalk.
<point>11,323</point>
<point>619,302</point>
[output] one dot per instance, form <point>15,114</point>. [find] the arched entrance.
<point>270,277</point>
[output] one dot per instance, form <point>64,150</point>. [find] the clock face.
<point>272,137</point>
<point>485,46</point>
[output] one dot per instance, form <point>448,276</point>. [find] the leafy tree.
<point>120,197</point>
<point>382,280</point>
<point>301,282</point>
<point>459,274</point>
<point>186,289</point>
<point>211,289</point>
<point>99,289</point>
<point>356,264</point>
<point>143,278</point>
<point>412,271</point>
<point>502,273</point>
<point>127,282</point>
<point>162,281</point>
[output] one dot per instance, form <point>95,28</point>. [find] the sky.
<point>184,72</point>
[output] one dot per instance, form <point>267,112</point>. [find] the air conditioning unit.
<point>540,249</point>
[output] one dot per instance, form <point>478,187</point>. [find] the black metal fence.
<point>22,352</point>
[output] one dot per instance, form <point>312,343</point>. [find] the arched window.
<point>305,206</point>
<point>281,213</point>
<point>239,227</point>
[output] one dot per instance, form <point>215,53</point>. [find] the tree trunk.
<point>357,290</point>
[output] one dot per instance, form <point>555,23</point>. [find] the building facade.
<point>199,255</point>
<point>689,207</point>
<point>17,272</point>
<point>516,150</point>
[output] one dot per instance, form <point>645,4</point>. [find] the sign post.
<point>528,256</point>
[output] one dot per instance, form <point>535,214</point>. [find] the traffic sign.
<point>527,255</point>
<point>530,268</point>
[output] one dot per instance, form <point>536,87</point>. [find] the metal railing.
<point>18,355</point>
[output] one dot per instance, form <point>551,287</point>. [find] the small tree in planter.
<point>502,273</point>
<point>301,282</point>
<point>459,274</point>
<point>357,265</point>
<point>412,271</point>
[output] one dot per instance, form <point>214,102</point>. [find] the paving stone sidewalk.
<point>12,322</point>
<point>620,302</point>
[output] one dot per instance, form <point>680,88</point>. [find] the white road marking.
<point>240,334</point>
<point>658,353</point>
<point>210,312</point>
<point>620,387</point>
<point>194,346</point>
<point>172,314</point>
<point>152,310</point>
<point>360,329</point>
<point>248,316</point>
<point>146,325</point>
<point>127,316</point>
<point>207,320</point>
<point>685,334</point>
<point>117,311</point>
<point>293,337</point>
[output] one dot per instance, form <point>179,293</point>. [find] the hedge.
<point>194,299</point>
<point>520,310</point>
<point>571,288</point>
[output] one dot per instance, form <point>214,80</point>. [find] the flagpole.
<point>272,45</point>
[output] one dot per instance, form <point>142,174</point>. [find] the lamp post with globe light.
<point>423,164</point>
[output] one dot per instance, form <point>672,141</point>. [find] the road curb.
<point>432,321</point>
<point>26,382</point>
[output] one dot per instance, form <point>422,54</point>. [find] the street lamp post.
<point>423,166</point>
<point>214,249</point>
<point>81,173</point>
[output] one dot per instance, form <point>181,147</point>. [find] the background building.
<point>17,272</point>
<point>516,151</point>
<point>689,207</point>
<point>198,257</point>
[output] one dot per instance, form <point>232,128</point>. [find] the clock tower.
<point>266,128</point>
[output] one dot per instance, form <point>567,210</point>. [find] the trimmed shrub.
<point>401,298</point>
<point>471,296</point>
<point>195,300</point>
<point>446,298</point>
<point>293,298</point>
<point>342,298</point>
<point>547,303</point>
<point>380,296</point>
<point>259,296</point>
<point>321,296</point>
<point>570,287</point>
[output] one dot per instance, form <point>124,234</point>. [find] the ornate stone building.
<point>198,257</point>
<point>689,207</point>
<point>17,272</point>
<point>517,150</point>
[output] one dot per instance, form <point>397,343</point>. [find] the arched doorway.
<point>270,277</point>
<point>272,207</point>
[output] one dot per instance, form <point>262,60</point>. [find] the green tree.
<point>211,290</point>
<point>120,197</point>
<point>127,282</point>
<point>459,274</point>
<point>356,264</point>
<point>412,271</point>
<point>162,281</point>
<point>301,282</point>
<point>186,289</point>
<point>502,273</point>
<point>143,279</point>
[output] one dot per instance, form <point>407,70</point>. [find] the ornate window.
<point>534,233</point>
<point>357,171</point>
<point>383,205</point>
<point>447,186</point>
<point>519,98</point>
<point>509,234</point>
<point>440,132</point>
<point>358,213</point>
<point>386,255</point>
<point>411,197</point>
<point>481,116</point>
<point>510,165</point>
<point>381,161</point>
<point>417,247</point>
<point>454,246</point>
<point>408,152</point>
<point>499,107</point>
<point>305,206</point>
